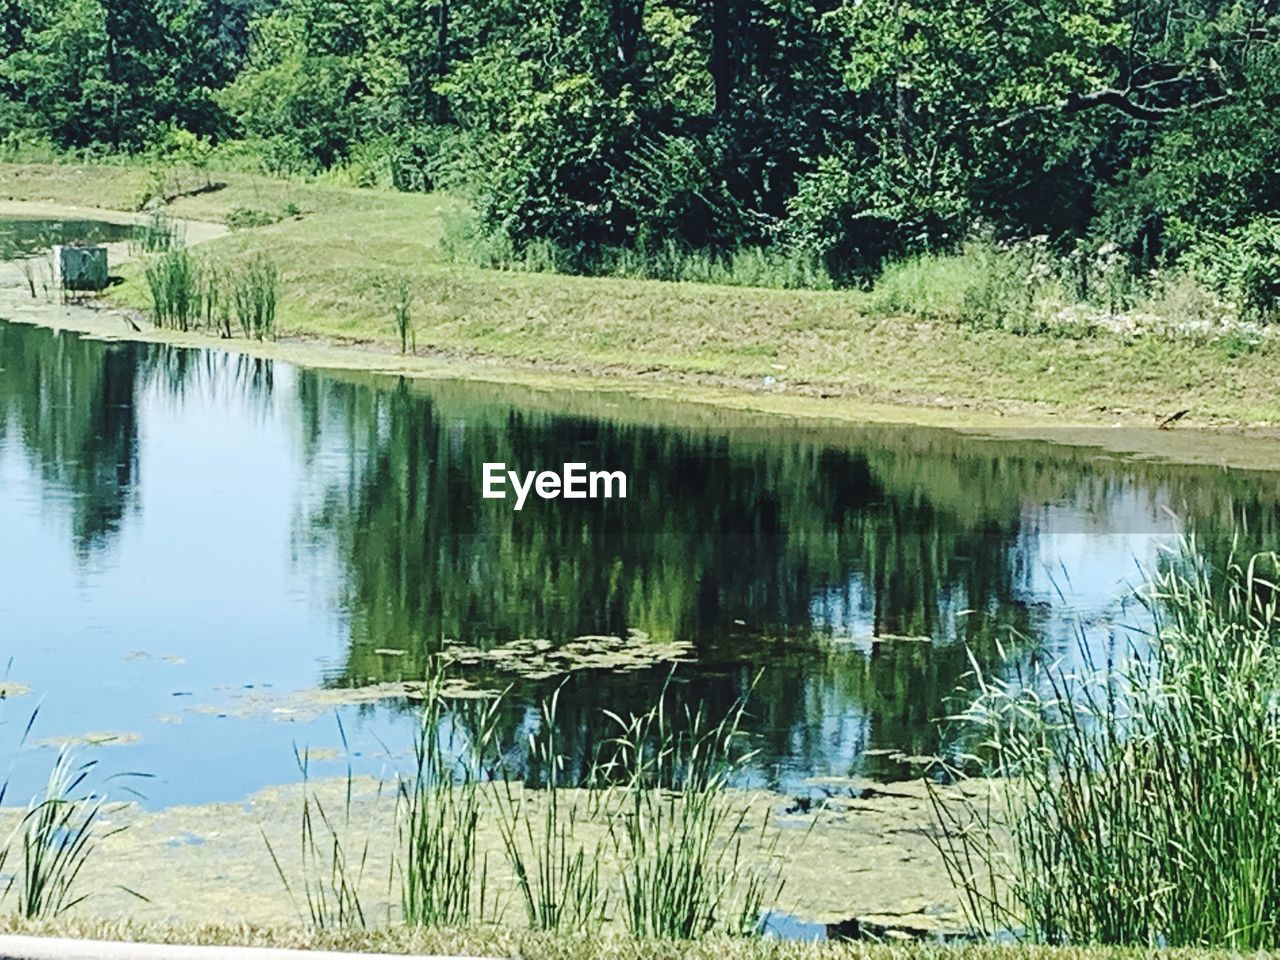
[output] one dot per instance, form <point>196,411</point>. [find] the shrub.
<point>242,218</point>
<point>854,217</point>
<point>1014,286</point>
<point>1243,264</point>
<point>931,285</point>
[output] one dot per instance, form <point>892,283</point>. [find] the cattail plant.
<point>680,831</point>
<point>403,309</point>
<point>173,279</point>
<point>332,866</point>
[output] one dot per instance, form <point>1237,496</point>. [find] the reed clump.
<point>28,267</point>
<point>657,806</point>
<point>215,307</point>
<point>54,840</point>
<point>682,876</point>
<point>254,290</point>
<point>558,875</point>
<point>45,852</point>
<point>332,863</point>
<point>174,282</point>
<point>192,293</point>
<point>443,877</point>
<point>1137,803</point>
<point>403,296</point>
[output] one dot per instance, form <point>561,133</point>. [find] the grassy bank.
<point>488,942</point>
<point>343,252</point>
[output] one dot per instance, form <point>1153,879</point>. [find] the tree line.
<point>849,131</point>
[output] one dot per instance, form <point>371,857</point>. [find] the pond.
<point>24,237</point>
<point>207,556</point>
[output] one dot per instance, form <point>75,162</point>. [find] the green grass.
<point>535,945</point>
<point>464,243</point>
<point>1138,803</point>
<point>928,287</point>
<point>842,346</point>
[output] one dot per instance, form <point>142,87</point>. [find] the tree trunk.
<point>628,21</point>
<point>721,71</point>
<point>442,57</point>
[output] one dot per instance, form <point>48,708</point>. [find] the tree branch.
<point>1116,99</point>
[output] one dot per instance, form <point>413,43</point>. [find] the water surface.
<point>23,237</point>
<point>191,538</point>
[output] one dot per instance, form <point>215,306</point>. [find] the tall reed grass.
<point>159,233</point>
<point>660,806</point>
<point>215,305</point>
<point>254,291</point>
<point>331,877</point>
<point>557,875</point>
<point>774,266</point>
<point>402,311</point>
<point>45,852</point>
<point>1137,803</point>
<point>689,865</point>
<point>56,838</point>
<point>188,292</point>
<point>444,878</point>
<point>28,267</point>
<point>173,280</point>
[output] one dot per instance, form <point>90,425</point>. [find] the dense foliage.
<point>841,131</point>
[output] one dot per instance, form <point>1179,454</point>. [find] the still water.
<point>204,557</point>
<point>31,236</point>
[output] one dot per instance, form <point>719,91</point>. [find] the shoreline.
<point>1229,446</point>
<point>219,869</point>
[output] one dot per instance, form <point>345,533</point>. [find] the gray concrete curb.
<point>60,948</point>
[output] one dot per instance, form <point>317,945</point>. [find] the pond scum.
<point>1136,804</point>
